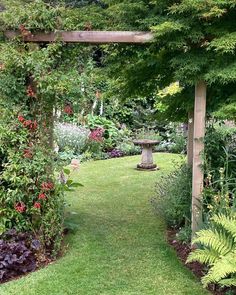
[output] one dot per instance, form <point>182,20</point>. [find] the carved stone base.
<point>150,167</point>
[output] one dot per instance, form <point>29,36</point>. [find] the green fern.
<point>228,282</point>
<point>227,222</point>
<point>204,256</point>
<point>221,269</point>
<point>218,251</point>
<point>217,240</point>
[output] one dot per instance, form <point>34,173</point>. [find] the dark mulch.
<point>198,269</point>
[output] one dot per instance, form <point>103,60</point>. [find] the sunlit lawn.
<point>119,246</point>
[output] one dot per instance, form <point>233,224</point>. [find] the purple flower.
<point>115,153</point>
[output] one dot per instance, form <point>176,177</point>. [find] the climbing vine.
<point>35,81</point>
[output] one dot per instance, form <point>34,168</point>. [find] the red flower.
<point>28,154</point>
<point>30,91</point>
<point>27,123</point>
<point>21,119</point>
<point>24,31</point>
<point>42,196</point>
<point>68,110</point>
<point>47,186</point>
<point>20,207</point>
<point>34,125</point>
<point>37,205</point>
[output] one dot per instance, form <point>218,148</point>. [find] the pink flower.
<point>21,119</point>
<point>42,196</point>
<point>97,135</point>
<point>37,205</point>
<point>75,164</point>
<point>68,110</point>
<point>47,186</point>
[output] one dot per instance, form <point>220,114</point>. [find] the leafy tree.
<point>194,40</point>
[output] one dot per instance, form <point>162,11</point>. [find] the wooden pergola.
<point>196,124</point>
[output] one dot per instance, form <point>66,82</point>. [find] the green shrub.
<point>111,133</point>
<point>218,248</point>
<point>220,171</point>
<point>173,197</point>
<point>220,144</point>
<point>147,134</point>
<point>219,196</point>
<point>184,234</point>
<point>66,156</point>
<point>31,198</point>
<point>129,149</point>
<point>178,145</point>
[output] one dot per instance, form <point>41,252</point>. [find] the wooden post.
<point>198,147</point>
<point>190,139</point>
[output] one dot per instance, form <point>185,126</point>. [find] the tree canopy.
<point>194,40</point>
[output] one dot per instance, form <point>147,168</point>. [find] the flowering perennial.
<point>97,135</point>
<point>20,207</point>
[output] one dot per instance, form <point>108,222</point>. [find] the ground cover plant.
<point>18,254</point>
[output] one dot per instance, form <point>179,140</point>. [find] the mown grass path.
<point>119,246</point>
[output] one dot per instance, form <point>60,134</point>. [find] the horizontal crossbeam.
<point>95,37</point>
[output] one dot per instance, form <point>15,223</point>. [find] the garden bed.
<point>198,269</point>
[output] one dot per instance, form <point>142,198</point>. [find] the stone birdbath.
<point>147,158</point>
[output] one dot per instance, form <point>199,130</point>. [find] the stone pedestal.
<point>147,158</point>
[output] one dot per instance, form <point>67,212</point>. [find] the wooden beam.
<point>190,139</point>
<point>92,37</point>
<point>198,147</point>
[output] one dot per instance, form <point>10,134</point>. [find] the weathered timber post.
<point>198,147</point>
<point>190,139</point>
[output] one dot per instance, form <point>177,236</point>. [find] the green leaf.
<point>66,171</point>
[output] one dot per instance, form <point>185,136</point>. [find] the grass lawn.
<point>119,246</point>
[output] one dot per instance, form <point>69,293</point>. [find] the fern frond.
<point>228,282</point>
<point>205,256</point>
<point>218,251</point>
<point>218,241</point>
<point>227,222</point>
<point>225,266</point>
